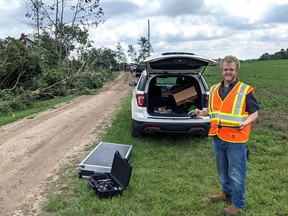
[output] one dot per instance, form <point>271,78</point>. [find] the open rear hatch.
<point>182,96</point>
<point>177,62</point>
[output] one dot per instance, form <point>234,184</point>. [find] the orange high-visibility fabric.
<point>229,112</point>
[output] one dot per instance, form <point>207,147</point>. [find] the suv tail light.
<point>140,99</point>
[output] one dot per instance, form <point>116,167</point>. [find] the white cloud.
<point>7,6</point>
<point>214,28</point>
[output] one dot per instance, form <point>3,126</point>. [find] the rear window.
<point>142,83</point>
<point>166,80</point>
<point>178,64</point>
<point>141,66</point>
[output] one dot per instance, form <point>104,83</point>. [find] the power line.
<point>157,13</point>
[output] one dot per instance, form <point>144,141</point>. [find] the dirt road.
<point>32,149</point>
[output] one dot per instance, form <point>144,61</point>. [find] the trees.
<point>26,73</point>
<point>20,70</point>
<point>132,53</point>
<point>55,64</point>
<point>282,54</point>
<point>65,22</point>
<point>20,66</point>
<point>61,28</point>
<point>120,54</point>
<point>144,50</point>
<point>103,57</point>
<point>265,56</point>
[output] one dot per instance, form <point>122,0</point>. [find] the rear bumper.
<point>199,128</point>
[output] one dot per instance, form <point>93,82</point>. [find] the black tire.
<point>135,132</point>
<point>203,135</point>
<point>79,175</point>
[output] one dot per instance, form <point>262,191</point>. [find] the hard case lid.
<point>121,170</point>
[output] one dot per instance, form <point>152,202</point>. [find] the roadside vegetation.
<point>172,174</point>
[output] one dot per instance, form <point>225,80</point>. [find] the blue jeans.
<point>231,163</point>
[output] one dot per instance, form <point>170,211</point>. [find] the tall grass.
<point>172,174</point>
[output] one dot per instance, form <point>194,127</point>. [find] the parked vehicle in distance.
<point>168,89</point>
<point>132,68</point>
<point>116,68</point>
<point>139,69</point>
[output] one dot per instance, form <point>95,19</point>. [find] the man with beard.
<point>232,109</point>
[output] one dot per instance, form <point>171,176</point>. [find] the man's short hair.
<point>230,59</point>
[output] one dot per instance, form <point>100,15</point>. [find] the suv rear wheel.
<point>135,132</point>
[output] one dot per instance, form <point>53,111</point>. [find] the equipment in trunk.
<point>173,100</point>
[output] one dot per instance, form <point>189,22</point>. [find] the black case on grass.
<point>112,184</point>
<point>100,159</point>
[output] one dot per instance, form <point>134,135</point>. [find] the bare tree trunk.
<point>39,3</point>
<point>56,26</point>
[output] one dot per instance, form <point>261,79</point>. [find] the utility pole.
<point>149,37</point>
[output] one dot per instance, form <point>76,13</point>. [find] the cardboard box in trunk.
<point>186,95</point>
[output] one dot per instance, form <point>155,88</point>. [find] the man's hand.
<point>242,125</point>
<point>251,118</point>
<point>199,112</point>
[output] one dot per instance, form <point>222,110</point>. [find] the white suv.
<point>171,86</point>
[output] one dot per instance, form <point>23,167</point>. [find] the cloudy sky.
<point>213,28</point>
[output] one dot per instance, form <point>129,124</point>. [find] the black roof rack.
<point>175,53</point>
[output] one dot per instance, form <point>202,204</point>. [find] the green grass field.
<point>172,174</point>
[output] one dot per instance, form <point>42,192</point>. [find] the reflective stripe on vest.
<point>212,90</point>
<point>231,118</point>
<point>240,98</point>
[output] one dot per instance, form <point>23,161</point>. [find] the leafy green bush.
<point>61,90</point>
<point>20,65</point>
<point>22,99</point>
<point>53,75</point>
<point>17,100</point>
<point>93,80</point>
<point>6,98</point>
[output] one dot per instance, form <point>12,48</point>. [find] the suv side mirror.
<point>132,83</point>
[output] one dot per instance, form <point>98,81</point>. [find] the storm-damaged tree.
<point>62,28</point>
<point>20,72</point>
<point>132,53</point>
<point>144,50</point>
<point>66,22</point>
<point>120,56</point>
<point>45,68</point>
<point>35,15</point>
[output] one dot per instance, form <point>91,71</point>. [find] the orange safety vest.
<point>225,114</point>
